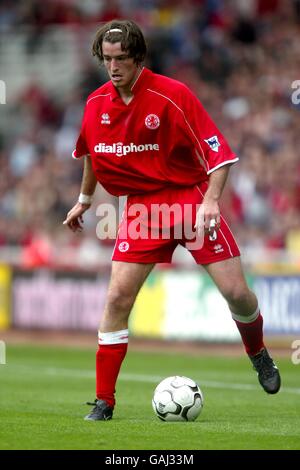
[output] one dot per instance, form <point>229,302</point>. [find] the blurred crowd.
<point>241,58</point>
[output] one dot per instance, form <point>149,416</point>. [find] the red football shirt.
<point>163,137</point>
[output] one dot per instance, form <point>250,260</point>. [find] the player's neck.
<point>126,92</point>
<point>126,95</point>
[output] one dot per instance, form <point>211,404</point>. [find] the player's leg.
<point>125,283</point>
<point>134,256</point>
<point>220,256</point>
<point>229,278</point>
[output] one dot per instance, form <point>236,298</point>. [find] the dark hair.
<point>131,38</point>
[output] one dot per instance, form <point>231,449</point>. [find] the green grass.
<point>43,390</point>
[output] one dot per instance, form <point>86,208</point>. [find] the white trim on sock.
<point>113,337</point>
<point>244,319</point>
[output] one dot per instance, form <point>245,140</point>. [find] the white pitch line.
<point>204,383</point>
<point>155,379</point>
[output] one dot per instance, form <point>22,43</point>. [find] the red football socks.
<point>251,333</point>
<point>111,352</point>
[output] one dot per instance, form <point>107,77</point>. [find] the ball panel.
<point>194,411</point>
<point>174,418</point>
<point>164,402</point>
<point>184,395</point>
<point>179,381</point>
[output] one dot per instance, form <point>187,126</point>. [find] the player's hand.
<point>74,219</point>
<point>208,218</point>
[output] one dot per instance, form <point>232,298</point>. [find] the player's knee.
<point>120,300</point>
<point>237,295</point>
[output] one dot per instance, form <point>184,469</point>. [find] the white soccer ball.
<point>177,398</point>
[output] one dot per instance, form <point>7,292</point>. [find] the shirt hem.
<point>227,162</point>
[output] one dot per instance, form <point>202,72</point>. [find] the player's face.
<point>122,70</point>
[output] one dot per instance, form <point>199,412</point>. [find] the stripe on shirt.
<point>97,96</point>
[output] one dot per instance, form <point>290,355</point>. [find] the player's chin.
<point>117,82</point>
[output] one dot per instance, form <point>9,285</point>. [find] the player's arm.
<point>216,156</point>
<point>74,218</point>
<point>208,216</point>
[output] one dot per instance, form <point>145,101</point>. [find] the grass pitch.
<point>43,390</point>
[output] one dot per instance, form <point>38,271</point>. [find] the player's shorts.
<point>154,224</point>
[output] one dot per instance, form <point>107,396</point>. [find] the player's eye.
<point>120,58</point>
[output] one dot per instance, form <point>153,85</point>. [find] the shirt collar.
<point>139,84</point>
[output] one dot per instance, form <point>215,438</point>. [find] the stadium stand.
<point>240,58</point>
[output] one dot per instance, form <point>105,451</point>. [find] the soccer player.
<point>148,137</point>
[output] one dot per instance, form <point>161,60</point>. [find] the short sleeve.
<point>81,149</point>
<point>208,140</point>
